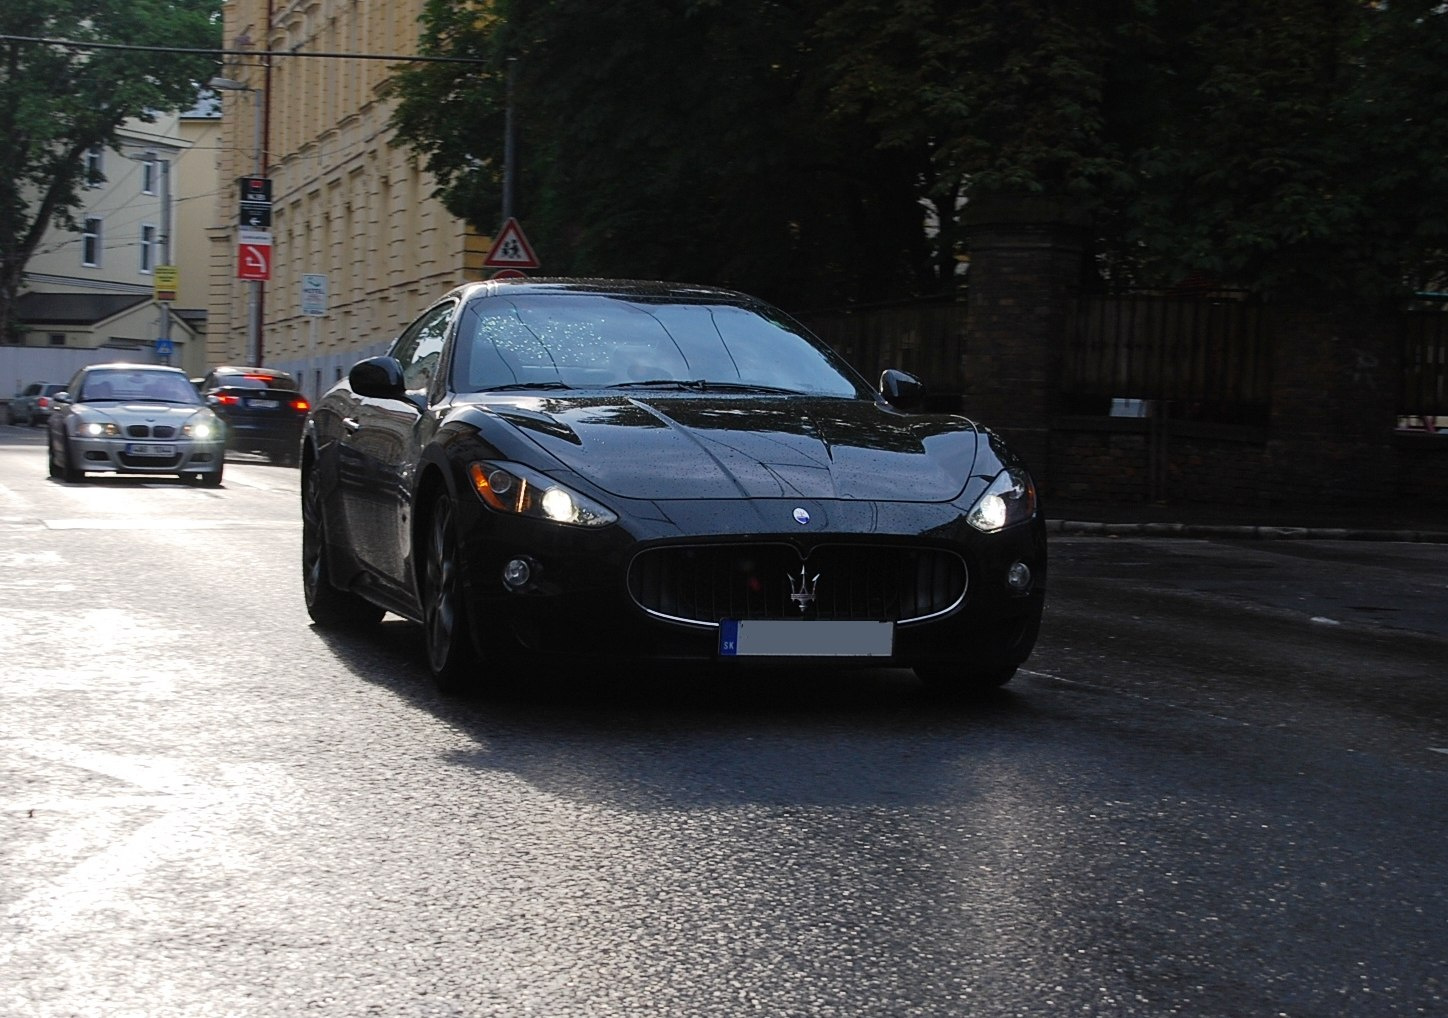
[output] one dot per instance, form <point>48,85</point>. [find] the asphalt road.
<point>1220,788</point>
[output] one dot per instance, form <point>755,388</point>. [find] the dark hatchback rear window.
<point>243,381</point>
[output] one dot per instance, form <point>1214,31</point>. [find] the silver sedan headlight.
<point>91,427</point>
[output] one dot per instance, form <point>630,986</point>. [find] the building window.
<point>148,247</point>
<point>148,173</point>
<point>57,339</point>
<point>95,165</point>
<point>90,242</point>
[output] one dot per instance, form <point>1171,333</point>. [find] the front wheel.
<point>61,465</point>
<point>444,608</point>
<point>328,606</point>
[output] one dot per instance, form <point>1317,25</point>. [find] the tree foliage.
<point>827,150</point>
<point>57,103</point>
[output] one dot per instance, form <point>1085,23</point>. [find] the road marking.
<point>168,523</point>
<point>1438,749</point>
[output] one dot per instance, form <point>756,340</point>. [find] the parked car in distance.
<point>263,408</point>
<point>134,419</point>
<point>32,405</point>
<point>561,475</point>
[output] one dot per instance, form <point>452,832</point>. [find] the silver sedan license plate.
<point>150,449</point>
<point>803,638</point>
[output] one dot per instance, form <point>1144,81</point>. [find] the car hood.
<point>144,410</point>
<point>719,447</point>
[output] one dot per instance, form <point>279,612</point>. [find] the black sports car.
<point>615,470</point>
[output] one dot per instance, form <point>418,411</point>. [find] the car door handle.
<point>351,423</point>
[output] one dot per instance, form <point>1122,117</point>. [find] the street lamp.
<point>253,303</point>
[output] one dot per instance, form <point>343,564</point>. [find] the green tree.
<point>681,139</point>
<point>58,103</point>
<point>827,150</point>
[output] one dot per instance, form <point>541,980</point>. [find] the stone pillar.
<point>1335,376</point>
<point>1025,272</point>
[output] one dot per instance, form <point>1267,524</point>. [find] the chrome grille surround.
<point>700,584</point>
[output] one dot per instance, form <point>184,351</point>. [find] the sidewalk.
<point>1325,523</point>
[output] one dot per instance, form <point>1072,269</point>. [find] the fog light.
<point>1018,577</point>
<point>517,573</point>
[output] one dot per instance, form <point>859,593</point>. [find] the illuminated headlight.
<point>1010,499</point>
<point>510,488</point>
<point>97,429</point>
<point>202,429</point>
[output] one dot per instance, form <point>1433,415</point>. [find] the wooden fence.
<point>1211,351</point>
<point>1424,391</point>
<point>1168,348</point>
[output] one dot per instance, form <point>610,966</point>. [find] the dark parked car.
<point>607,470</point>
<point>263,408</point>
<point>134,419</point>
<point>32,404</point>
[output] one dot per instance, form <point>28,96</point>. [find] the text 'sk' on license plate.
<point>791,638</point>
<point>145,449</point>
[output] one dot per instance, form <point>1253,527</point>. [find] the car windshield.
<point>597,341</point>
<point>137,385</point>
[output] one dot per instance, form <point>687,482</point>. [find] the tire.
<point>328,606</point>
<point>444,607</point>
<point>205,480</point>
<point>56,470</point>
<point>961,680</point>
<point>69,472</point>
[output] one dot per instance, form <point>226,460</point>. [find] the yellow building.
<point>346,204</point>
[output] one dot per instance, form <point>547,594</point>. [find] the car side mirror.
<point>378,378</point>
<point>901,390</point>
<point>61,397</point>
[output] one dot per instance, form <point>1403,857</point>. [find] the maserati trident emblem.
<point>801,516</point>
<point>803,592</point>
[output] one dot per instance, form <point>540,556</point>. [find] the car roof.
<point>638,288</point>
<point>132,366</point>
<point>232,369</point>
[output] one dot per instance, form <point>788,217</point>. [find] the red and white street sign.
<point>511,249</point>
<point>253,255</point>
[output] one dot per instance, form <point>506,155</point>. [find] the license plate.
<point>791,638</point>
<point>263,404</point>
<point>148,449</point>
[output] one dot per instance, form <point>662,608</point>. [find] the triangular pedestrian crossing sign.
<point>511,249</point>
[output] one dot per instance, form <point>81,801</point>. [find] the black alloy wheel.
<point>444,611</point>
<point>329,607</point>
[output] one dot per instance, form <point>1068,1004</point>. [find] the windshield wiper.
<point>697,385</point>
<point>515,386</point>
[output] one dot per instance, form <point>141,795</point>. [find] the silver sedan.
<point>135,419</point>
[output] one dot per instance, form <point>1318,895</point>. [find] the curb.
<point>1241,532</point>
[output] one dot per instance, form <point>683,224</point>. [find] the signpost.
<point>314,294</point>
<point>253,255</point>
<point>167,278</point>
<point>511,249</point>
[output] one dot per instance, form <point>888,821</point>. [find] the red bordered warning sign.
<point>511,249</point>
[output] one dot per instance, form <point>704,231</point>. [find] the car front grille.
<point>146,431</point>
<point>153,462</point>
<point>705,583</point>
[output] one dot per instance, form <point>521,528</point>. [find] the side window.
<point>419,349</point>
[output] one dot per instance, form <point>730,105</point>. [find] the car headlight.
<point>96,429</point>
<point>510,488</point>
<point>208,427</point>
<point>1010,499</point>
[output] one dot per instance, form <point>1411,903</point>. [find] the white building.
<point>90,296</point>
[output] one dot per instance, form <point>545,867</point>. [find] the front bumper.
<point>581,605</point>
<point>126,456</point>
